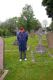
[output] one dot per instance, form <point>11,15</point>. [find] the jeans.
<point>22,52</point>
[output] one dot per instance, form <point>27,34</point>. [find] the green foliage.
<point>27,19</point>
<point>48,29</point>
<point>49,7</point>
<point>1,32</point>
<point>8,27</point>
<point>51,26</point>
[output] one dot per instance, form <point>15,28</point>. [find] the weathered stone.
<point>40,48</point>
<point>1,53</point>
<point>50,39</point>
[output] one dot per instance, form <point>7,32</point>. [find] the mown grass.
<point>41,69</point>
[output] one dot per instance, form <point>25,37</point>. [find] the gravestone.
<point>15,42</point>
<point>1,53</point>
<point>32,33</point>
<point>3,72</point>
<point>33,56</point>
<point>50,39</point>
<point>40,48</point>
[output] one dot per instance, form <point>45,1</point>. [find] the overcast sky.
<point>11,8</point>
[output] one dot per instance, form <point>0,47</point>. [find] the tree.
<point>51,26</point>
<point>27,19</point>
<point>49,7</point>
<point>8,27</point>
<point>12,24</point>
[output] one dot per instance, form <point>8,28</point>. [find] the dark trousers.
<point>22,52</point>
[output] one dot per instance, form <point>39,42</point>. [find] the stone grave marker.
<point>40,48</point>
<point>32,33</point>
<point>1,53</point>
<point>50,39</point>
<point>4,72</point>
<point>32,55</point>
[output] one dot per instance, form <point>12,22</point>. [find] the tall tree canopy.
<point>27,19</point>
<point>49,7</point>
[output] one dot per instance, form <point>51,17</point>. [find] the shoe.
<point>25,59</point>
<point>20,60</point>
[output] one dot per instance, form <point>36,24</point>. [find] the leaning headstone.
<point>1,53</point>
<point>40,48</point>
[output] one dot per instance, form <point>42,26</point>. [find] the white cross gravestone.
<point>1,53</point>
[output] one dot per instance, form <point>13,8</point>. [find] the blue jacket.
<point>22,38</point>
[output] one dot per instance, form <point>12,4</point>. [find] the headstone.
<point>32,55</point>
<point>15,42</point>
<point>40,48</point>
<point>1,53</point>
<point>32,33</point>
<point>50,39</point>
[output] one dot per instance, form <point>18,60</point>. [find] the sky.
<point>12,8</point>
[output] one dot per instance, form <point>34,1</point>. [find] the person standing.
<point>22,38</point>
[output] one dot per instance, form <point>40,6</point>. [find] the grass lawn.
<point>41,69</point>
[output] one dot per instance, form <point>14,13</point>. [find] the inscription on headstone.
<point>1,53</point>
